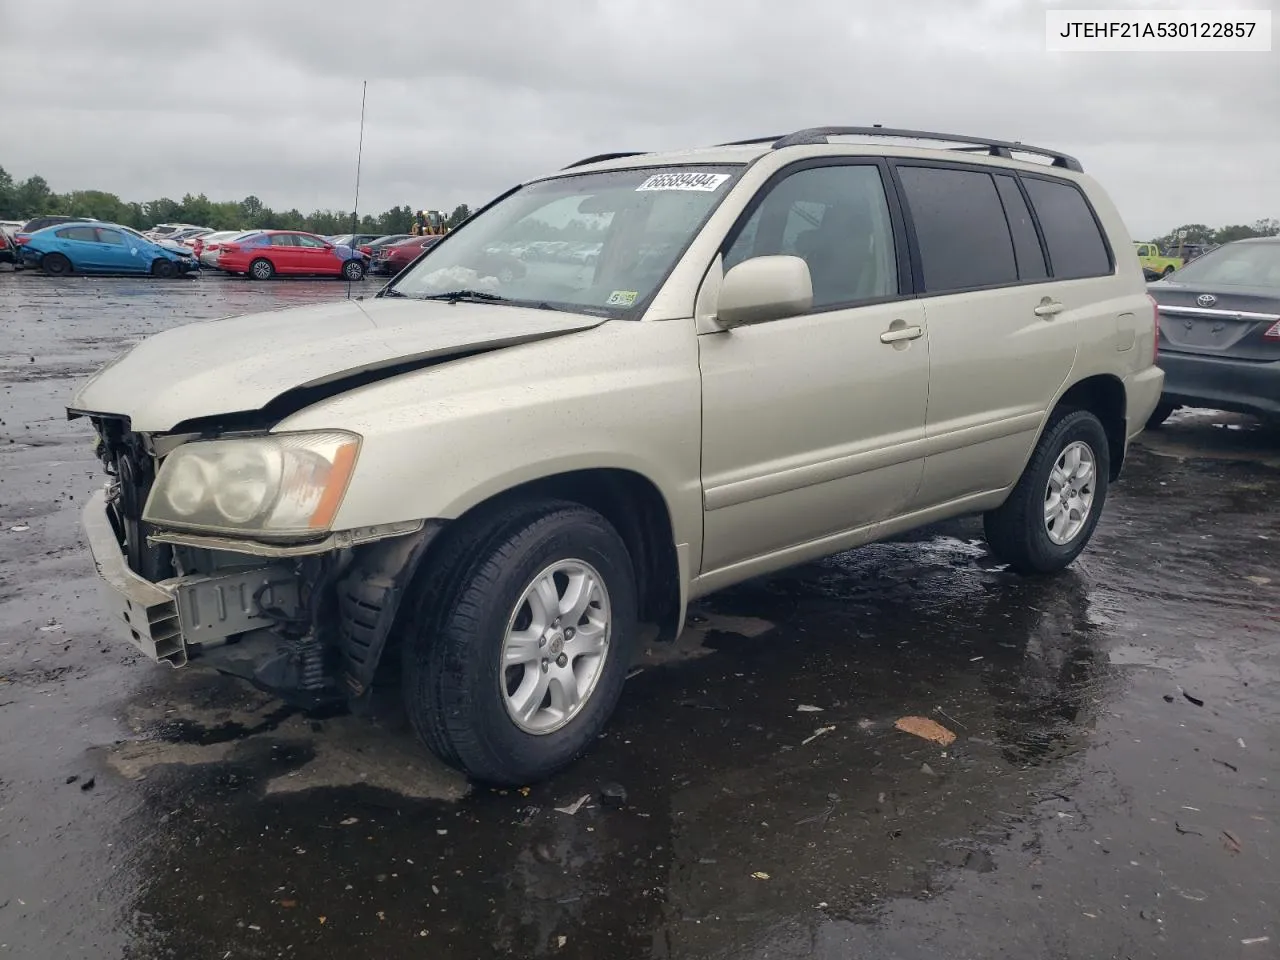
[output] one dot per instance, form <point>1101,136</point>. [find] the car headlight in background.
<point>287,484</point>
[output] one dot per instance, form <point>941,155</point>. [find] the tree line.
<point>32,197</point>
<point>1200,233</point>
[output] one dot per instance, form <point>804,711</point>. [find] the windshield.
<point>1236,265</point>
<point>596,242</point>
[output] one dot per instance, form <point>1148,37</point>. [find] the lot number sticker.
<point>622,298</point>
<point>684,181</point>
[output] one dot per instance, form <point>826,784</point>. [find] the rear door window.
<point>1026,242</point>
<point>961,231</point>
<point>79,233</point>
<point>283,240</point>
<point>112,237</point>
<point>1077,248</point>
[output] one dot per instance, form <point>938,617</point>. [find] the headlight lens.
<point>283,485</point>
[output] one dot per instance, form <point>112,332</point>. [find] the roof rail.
<point>601,157</point>
<point>994,148</point>
<point>747,143</point>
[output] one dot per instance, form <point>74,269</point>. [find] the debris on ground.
<point>926,729</point>
<point>808,708</point>
<point>1230,766</point>
<point>816,734</point>
<point>20,528</point>
<point>574,807</point>
<point>561,941</point>
<point>88,784</point>
<point>1181,829</point>
<point>927,770</point>
<point>73,778</point>
<point>760,875</point>
<point>1250,941</point>
<point>1169,698</point>
<point>1230,841</point>
<point>350,820</point>
<point>1196,700</point>
<point>1260,581</point>
<point>613,795</point>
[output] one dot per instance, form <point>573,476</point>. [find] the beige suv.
<point>613,390</point>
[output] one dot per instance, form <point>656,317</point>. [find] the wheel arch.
<point>1103,395</point>
<point>385,573</point>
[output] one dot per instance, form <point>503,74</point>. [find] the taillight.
<point>21,240</point>
<point>230,248</point>
<point>1155,329</point>
<point>1274,332</point>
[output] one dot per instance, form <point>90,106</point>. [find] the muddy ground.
<point>1111,792</point>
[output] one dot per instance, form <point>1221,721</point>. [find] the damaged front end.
<point>305,619</point>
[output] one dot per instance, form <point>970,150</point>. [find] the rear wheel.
<point>522,640</point>
<point>1162,412</point>
<point>55,265</point>
<point>164,269</point>
<point>1054,508</point>
<point>353,270</point>
<point>262,269</point>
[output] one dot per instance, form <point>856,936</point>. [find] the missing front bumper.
<point>170,620</point>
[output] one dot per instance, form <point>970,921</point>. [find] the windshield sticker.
<point>684,181</point>
<point>622,298</point>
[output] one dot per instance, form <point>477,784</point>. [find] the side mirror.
<point>763,289</point>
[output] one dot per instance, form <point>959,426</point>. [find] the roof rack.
<point>747,143</point>
<point>994,148</point>
<point>601,157</point>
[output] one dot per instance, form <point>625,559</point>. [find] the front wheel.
<point>1167,270</point>
<point>261,269</point>
<point>353,270</point>
<point>1054,508</point>
<point>55,265</point>
<point>164,269</point>
<point>517,656</point>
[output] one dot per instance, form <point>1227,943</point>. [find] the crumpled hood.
<point>241,364</point>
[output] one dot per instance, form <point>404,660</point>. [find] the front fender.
<point>436,442</point>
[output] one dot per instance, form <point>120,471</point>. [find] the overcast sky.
<point>231,98</point>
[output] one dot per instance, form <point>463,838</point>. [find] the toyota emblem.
<point>1206,299</point>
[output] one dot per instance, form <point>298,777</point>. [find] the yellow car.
<point>1150,256</point>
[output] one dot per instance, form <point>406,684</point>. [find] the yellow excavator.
<point>429,223</point>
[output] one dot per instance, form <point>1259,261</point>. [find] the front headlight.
<point>282,485</point>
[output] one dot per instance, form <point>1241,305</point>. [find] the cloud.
<point>465,99</point>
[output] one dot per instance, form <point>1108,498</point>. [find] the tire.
<point>353,270</point>
<point>457,694</point>
<point>1167,270</point>
<point>1018,531</point>
<point>261,269</point>
<point>1162,412</point>
<point>164,269</point>
<point>55,265</point>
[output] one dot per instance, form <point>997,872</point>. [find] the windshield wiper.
<point>392,292</point>
<point>473,296</point>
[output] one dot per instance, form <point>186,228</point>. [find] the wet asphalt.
<point>1111,791</point>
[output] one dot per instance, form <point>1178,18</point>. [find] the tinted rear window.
<point>1076,245</point>
<point>79,233</point>
<point>1026,244</point>
<point>960,227</point>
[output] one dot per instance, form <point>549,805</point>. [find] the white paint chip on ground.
<point>808,708</point>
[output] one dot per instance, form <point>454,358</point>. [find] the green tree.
<point>8,196</point>
<point>33,197</point>
<point>460,213</point>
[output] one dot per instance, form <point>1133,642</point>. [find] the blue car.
<point>104,248</point>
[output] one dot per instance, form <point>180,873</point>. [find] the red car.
<point>289,253</point>
<point>394,257</point>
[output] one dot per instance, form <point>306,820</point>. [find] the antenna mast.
<point>355,209</point>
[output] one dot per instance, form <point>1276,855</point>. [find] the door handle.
<point>896,334</point>
<point>1048,308</point>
